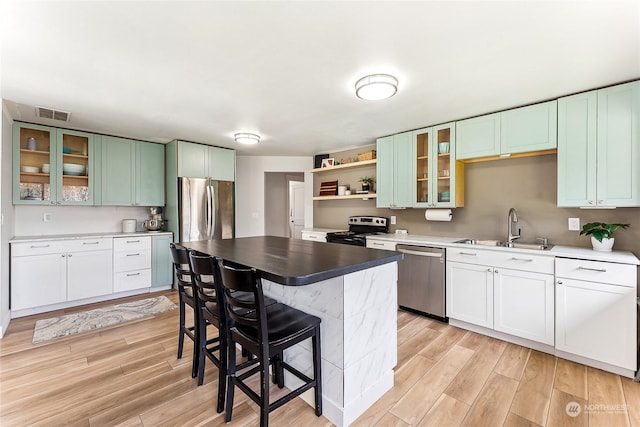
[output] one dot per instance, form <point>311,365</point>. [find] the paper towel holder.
<point>438,214</point>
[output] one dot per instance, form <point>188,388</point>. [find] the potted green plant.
<point>601,234</point>
<point>367,183</point>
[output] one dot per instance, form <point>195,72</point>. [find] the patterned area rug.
<point>63,326</point>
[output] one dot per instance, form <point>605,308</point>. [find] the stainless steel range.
<point>359,228</point>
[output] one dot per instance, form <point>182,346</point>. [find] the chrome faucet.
<point>512,218</point>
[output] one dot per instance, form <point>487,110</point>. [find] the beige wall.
<point>491,188</point>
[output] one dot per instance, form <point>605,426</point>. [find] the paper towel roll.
<point>438,214</point>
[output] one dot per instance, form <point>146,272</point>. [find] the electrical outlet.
<point>393,219</point>
<point>574,224</point>
<point>46,217</point>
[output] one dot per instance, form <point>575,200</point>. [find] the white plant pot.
<point>605,246</point>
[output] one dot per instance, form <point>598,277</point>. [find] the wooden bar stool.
<point>265,331</point>
<point>186,298</point>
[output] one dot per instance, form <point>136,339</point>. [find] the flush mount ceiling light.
<point>246,138</point>
<point>376,87</point>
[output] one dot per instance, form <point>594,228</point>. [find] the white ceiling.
<point>200,71</point>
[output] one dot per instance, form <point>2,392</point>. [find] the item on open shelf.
<point>329,188</point>
<point>29,169</point>
<point>318,160</point>
<point>73,169</point>
<point>369,155</point>
<point>328,162</point>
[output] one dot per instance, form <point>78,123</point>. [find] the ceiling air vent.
<point>50,113</point>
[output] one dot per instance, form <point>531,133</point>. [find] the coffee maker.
<point>156,223</point>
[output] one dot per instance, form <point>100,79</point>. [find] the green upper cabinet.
<point>521,130</point>
<point>222,164</point>
<point>395,171</point>
<point>192,160</point>
<point>599,148</point>
<point>53,166</point>
<point>438,177</point>
<point>478,137</point>
<point>149,174</point>
<point>205,161</point>
<point>132,172</point>
<point>526,129</point>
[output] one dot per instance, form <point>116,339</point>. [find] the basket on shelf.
<point>369,155</point>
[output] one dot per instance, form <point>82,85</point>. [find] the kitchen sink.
<point>516,245</point>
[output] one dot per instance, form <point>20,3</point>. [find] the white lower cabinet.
<point>524,304</point>
<point>51,272</point>
<point>89,274</point>
<point>507,292</point>
<point>38,280</point>
<point>131,263</point>
<point>470,293</point>
<point>596,313</point>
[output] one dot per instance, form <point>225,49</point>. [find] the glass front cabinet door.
<point>52,166</point>
<point>436,168</point>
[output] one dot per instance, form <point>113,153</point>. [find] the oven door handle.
<point>418,253</point>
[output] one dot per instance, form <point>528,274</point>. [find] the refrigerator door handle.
<point>212,218</point>
<point>208,211</point>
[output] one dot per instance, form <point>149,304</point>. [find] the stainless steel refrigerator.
<point>205,209</point>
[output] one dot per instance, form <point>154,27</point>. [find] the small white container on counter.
<point>129,225</point>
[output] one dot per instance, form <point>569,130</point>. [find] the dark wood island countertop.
<point>295,262</point>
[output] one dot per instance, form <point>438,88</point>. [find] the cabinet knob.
<point>600,202</point>
<point>495,271</point>
<point>63,255</point>
<point>489,270</point>
<point>70,255</point>
<point>590,202</point>
<point>559,282</point>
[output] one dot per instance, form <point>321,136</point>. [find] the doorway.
<point>280,207</point>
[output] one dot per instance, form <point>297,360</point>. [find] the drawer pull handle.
<point>132,274</point>
<point>599,270</point>
<point>133,241</point>
<point>468,253</point>
<point>138,254</point>
<point>90,243</point>
<point>39,246</point>
<point>521,259</point>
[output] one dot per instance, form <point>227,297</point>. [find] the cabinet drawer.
<point>470,256</point>
<point>524,262</point>
<point>97,244</point>
<point>133,243</point>
<point>381,244</point>
<point>129,280</point>
<point>507,258</point>
<point>131,260</point>
<point>38,248</point>
<point>314,236</point>
<point>597,271</point>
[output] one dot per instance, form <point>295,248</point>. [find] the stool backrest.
<point>207,287</point>
<point>238,280</point>
<point>181,266</point>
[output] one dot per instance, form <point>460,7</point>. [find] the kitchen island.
<point>352,289</point>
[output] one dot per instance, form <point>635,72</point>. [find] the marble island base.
<point>358,338</point>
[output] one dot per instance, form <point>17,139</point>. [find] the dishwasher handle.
<point>420,253</point>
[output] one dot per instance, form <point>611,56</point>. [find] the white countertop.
<point>623,257</point>
<point>21,239</point>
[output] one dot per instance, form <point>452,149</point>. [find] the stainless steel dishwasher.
<point>421,276</point>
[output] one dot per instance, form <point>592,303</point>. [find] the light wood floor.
<point>129,376</point>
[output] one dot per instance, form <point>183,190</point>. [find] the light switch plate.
<point>574,224</point>
<point>393,219</point>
